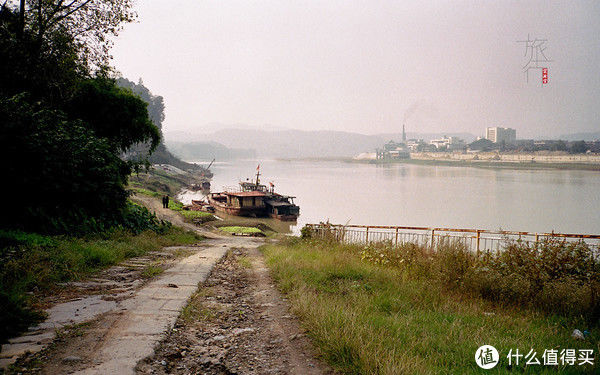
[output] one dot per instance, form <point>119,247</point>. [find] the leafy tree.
<point>69,179</point>
<point>482,145</point>
<point>113,113</point>
<point>64,127</point>
<point>48,72</point>
<point>88,23</point>
<point>578,147</point>
<point>558,146</point>
<point>156,104</point>
<point>156,108</point>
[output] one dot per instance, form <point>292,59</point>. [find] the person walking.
<point>166,201</point>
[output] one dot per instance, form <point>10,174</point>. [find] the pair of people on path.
<point>165,201</point>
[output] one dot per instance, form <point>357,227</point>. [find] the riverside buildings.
<point>499,135</point>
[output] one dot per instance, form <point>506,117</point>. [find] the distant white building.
<point>393,150</point>
<point>413,144</point>
<point>498,135</point>
<point>448,143</point>
<point>366,156</point>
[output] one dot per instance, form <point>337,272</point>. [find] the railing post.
<point>367,240</point>
<point>432,238</point>
<point>478,238</point>
<point>396,236</point>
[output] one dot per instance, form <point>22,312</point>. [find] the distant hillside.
<point>194,151</point>
<point>591,136</point>
<point>156,112</point>
<point>295,143</point>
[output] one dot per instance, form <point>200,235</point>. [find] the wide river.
<point>429,196</point>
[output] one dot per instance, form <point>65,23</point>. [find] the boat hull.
<point>237,211</point>
<point>284,217</point>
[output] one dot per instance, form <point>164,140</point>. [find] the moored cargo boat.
<point>255,200</point>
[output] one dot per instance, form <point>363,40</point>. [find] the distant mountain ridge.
<point>589,136</point>
<point>298,143</point>
<point>193,151</point>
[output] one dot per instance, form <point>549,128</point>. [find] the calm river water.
<point>430,196</point>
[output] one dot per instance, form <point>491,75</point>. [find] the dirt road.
<point>237,323</point>
<point>124,321</point>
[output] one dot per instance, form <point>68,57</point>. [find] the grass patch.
<point>241,230</point>
<point>175,205</point>
<point>161,182</point>
<point>368,318</point>
<point>552,276</point>
<point>244,262</point>
<point>195,309</point>
<point>198,217</point>
<point>72,330</point>
<point>150,193</point>
<point>182,253</point>
<point>34,264</point>
<point>151,270</point>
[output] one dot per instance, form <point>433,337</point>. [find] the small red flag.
<point>258,167</point>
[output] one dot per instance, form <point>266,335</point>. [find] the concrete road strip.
<point>143,318</point>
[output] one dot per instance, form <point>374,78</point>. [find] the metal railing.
<point>473,239</point>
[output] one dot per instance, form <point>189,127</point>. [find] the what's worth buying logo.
<point>487,357</point>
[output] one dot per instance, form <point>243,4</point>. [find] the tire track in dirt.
<point>237,323</point>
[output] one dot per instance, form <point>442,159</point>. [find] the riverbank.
<point>367,317</point>
<point>522,162</point>
<point>164,179</point>
<point>493,164</point>
<point>533,161</point>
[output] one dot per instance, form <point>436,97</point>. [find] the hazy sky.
<point>360,65</point>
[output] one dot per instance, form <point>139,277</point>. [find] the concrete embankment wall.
<point>515,158</point>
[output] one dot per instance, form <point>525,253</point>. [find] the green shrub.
<point>138,219</point>
<point>553,276</point>
<point>175,205</point>
<point>306,232</point>
<point>14,237</point>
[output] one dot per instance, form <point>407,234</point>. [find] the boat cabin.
<point>247,199</point>
<point>282,207</point>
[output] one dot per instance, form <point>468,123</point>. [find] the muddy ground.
<point>237,323</point>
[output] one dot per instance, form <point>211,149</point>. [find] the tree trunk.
<point>21,26</point>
